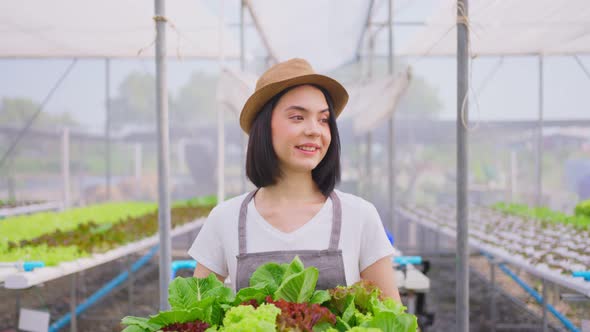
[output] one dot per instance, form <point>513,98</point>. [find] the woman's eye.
<point>325,120</point>
<point>297,117</point>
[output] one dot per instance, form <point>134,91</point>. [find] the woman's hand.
<point>202,272</point>
<point>382,274</point>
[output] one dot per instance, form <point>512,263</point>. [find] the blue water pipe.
<point>405,260</point>
<point>106,289</point>
<point>566,322</point>
<point>23,266</point>
<point>582,274</point>
<point>179,265</point>
<point>390,237</point>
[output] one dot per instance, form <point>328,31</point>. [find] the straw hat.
<point>284,75</point>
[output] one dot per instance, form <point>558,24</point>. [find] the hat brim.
<point>259,98</point>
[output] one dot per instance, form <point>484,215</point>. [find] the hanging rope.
<point>462,18</point>
<point>179,35</point>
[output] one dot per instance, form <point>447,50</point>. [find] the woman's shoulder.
<point>354,201</point>
<point>229,207</point>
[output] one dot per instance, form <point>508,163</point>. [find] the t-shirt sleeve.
<point>374,242</point>
<point>207,248</point>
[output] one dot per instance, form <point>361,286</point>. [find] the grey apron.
<point>328,261</point>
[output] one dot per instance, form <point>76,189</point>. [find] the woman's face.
<point>300,129</point>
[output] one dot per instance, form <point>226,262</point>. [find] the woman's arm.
<point>203,272</point>
<point>381,273</point>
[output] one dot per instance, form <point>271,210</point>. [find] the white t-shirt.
<point>362,239</point>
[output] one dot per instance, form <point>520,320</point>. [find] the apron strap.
<point>242,222</point>
<point>336,221</point>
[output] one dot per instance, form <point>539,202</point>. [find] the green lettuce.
<point>298,287</point>
<point>245,318</point>
<point>278,292</point>
<point>166,318</point>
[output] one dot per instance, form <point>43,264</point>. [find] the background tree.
<point>135,103</point>
<point>18,110</point>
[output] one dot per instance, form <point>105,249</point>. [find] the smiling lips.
<point>308,148</point>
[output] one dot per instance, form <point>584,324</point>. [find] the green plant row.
<point>583,208</point>
<point>49,256</point>
<point>210,200</point>
<point>91,237</point>
<point>544,214</point>
<point>31,226</point>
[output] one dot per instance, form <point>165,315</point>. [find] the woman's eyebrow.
<point>301,108</point>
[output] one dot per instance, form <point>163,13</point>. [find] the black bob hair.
<point>262,164</point>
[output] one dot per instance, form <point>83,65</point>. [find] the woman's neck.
<point>292,188</point>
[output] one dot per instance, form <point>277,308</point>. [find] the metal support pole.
<point>359,167</point>
<point>220,154</point>
<point>82,174</point>
<point>462,167</point>
<point>181,155</point>
<point>138,169</point>
<point>221,122</point>
<point>11,183</point>
<point>544,285</point>
<point>108,127</point>
<point>411,303</point>
<point>422,236</point>
<point>513,175</point>
<point>492,296</point>
<point>391,123</point>
<point>369,163</point>
<point>17,308</point>
<point>242,37</point>
<point>73,300</point>
<point>437,241</point>
<point>539,149</point>
<point>243,68</point>
<point>369,166</point>
<point>130,284</point>
<point>65,167</point>
<point>412,236</point>
<point>163,154</point>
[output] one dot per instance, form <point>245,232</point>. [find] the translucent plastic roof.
<point>372,103</point>
<point>71,28</point>
<point>326,33</point>
<point>505,27</point>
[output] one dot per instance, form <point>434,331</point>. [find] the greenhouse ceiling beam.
<point>365,28</point>
<point>271,52</point>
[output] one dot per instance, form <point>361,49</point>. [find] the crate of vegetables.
<point>281,297</point>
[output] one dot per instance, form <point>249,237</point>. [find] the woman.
<point>293,159</point>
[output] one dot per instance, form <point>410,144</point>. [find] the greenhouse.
<point>149,180</point>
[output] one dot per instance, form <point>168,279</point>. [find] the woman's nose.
<point>312,128</point>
